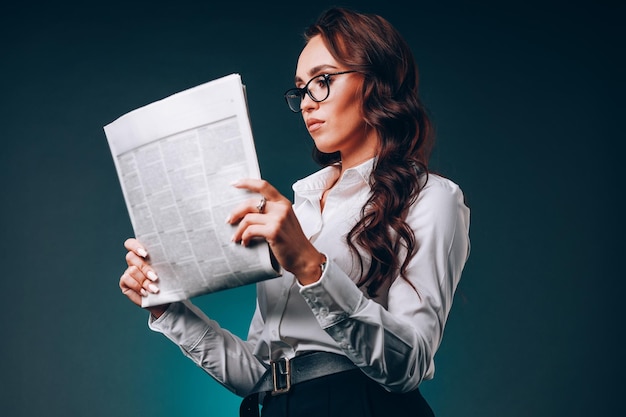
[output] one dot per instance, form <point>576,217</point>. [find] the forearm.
<point>224,356</point>
<point>391,350</point>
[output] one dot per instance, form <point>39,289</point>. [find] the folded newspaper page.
<point>175,159</point>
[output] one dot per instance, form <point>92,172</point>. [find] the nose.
<point>307,103</point>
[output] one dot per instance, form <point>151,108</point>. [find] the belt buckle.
<point>281,376</point>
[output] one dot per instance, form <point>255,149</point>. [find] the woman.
<point>372,248</point>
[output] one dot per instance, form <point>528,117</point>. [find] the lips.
<point>313,124</point>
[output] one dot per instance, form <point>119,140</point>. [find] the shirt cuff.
<point>164,321</point>
<point>334,297</point>
<point>182,323</point>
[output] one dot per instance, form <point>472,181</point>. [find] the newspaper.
<point>176,159</point>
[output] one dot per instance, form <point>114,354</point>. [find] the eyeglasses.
<point>318,88</point>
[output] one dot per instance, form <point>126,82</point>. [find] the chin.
<point>319,144</point>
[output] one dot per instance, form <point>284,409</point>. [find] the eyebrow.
<point>316,70</point>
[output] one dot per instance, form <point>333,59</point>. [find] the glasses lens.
<point>318,88</point>
<point>294,98</point>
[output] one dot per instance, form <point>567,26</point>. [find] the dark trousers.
<point>349,393</point>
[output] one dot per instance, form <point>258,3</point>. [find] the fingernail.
<point>153,288</point>
<point>234,183</point>
<point>143,292</point>
<point>142,252</point>
<point>228,219</point>
<point>152,276</point>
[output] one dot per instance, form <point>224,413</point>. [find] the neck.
<point>366,150</point>
<point>353,162</point>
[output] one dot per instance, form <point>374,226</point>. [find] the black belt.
<point>285,373</point>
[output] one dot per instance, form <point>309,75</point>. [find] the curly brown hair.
<point>371,45</point>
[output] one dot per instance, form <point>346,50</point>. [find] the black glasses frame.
<point>300,92</point>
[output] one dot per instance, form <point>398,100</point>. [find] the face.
<point>335,124</point>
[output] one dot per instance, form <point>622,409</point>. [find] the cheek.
<point>352,107</point>
<point>351,117</point>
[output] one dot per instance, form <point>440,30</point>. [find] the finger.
<point>133,281</point>
<point>133,260</point>
<point>135,246</point>
<point>255,231</point>
<point>133,296</point>
<point>259,186</point>
<point>131,288</point>
<point>247,221</point>
<point>139,276</point>
<point>250,206</point>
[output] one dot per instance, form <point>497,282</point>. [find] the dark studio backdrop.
<point>525,97</point>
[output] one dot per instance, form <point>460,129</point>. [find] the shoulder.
<point>440,205</point>
<point>440,190</point>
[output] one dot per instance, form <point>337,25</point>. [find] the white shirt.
<point>393,339</point>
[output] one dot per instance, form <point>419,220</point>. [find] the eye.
<point>320,81</point>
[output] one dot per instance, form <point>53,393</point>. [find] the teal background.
<point>526,98</point>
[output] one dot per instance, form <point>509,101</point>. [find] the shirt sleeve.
<point>224,356</point>
<point>396,346</point>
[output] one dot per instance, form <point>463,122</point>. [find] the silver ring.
<point>261,206</point>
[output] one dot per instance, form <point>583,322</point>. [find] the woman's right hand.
<point>139,279</point>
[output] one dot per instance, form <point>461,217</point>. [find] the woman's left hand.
<point>277,223</point>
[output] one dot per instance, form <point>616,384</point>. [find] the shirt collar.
<point>314,185</point>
